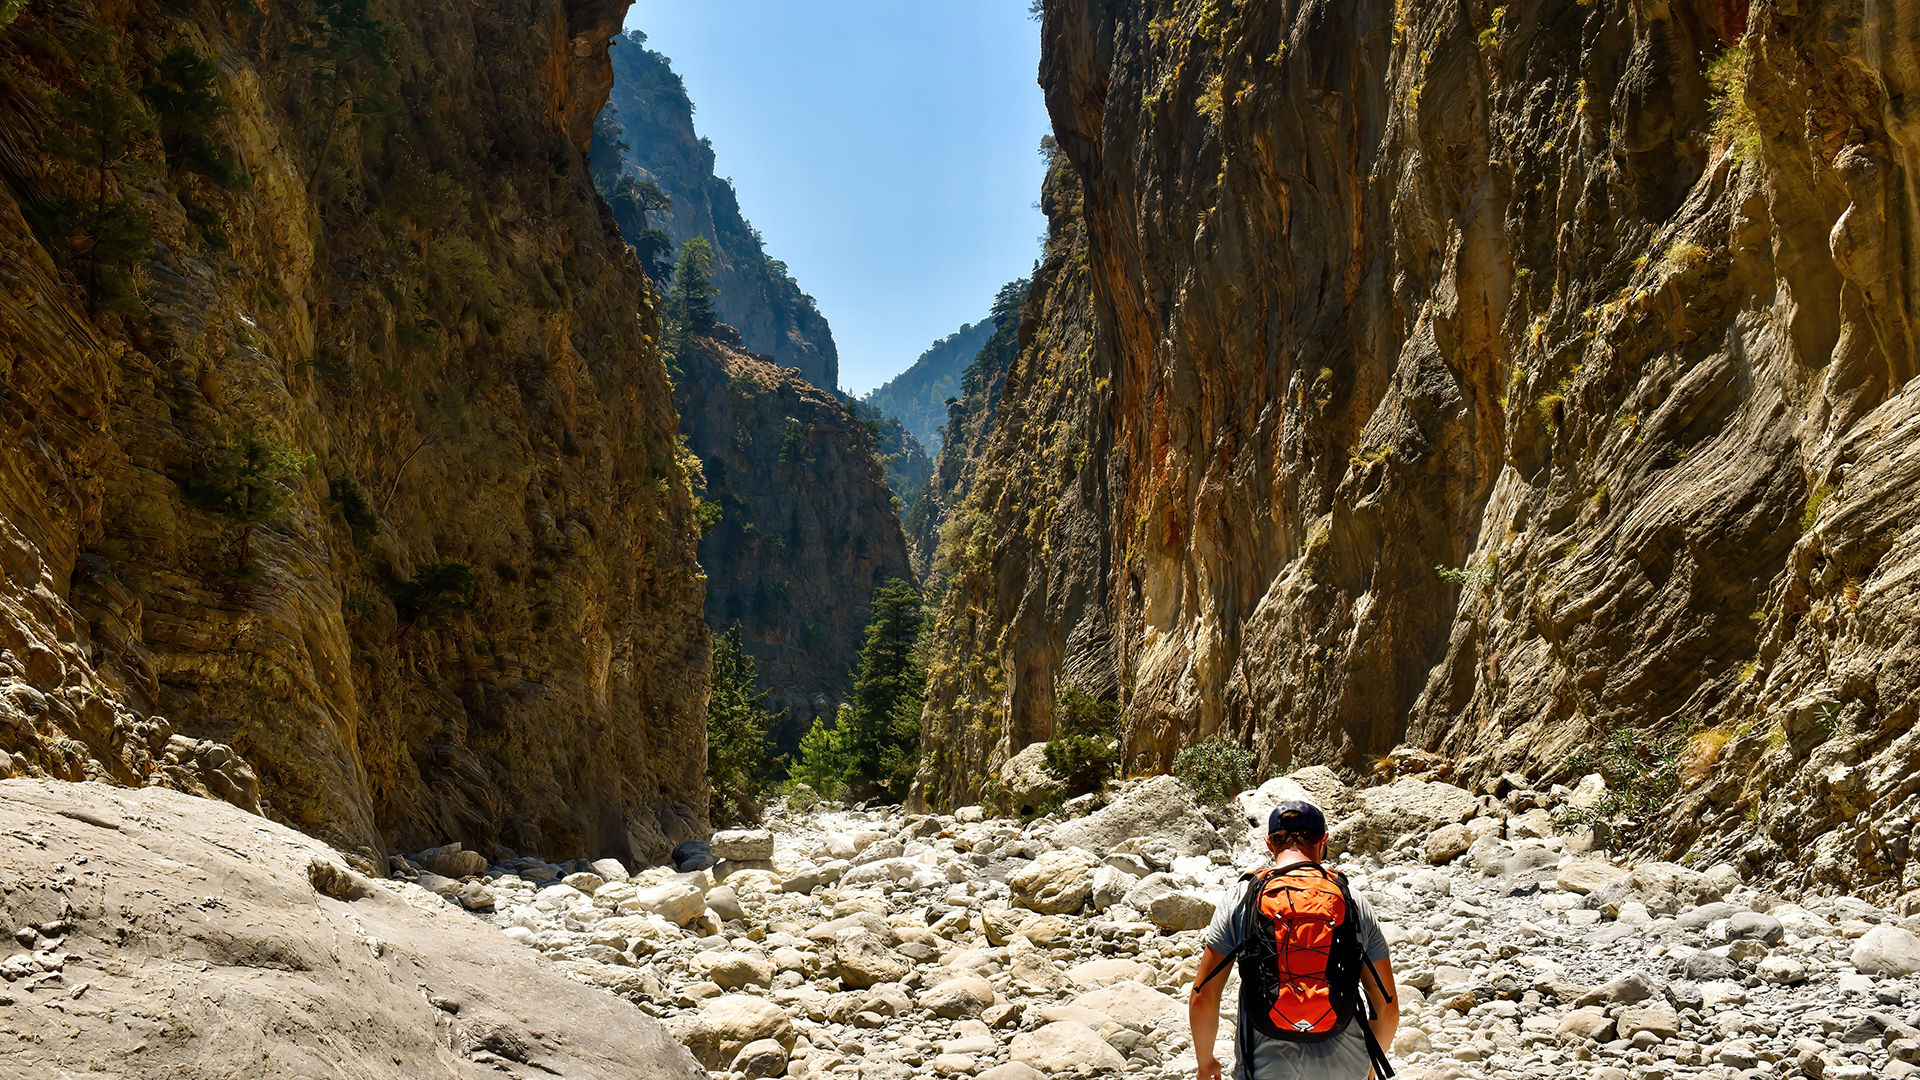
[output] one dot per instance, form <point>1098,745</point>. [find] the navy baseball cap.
<point>1297,816</point>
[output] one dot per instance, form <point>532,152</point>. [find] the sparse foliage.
<point>1734,122</point>
<point>436,589</point>
<point>244,481</point>
<point>1216,770</point>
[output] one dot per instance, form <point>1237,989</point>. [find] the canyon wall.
<point>340,476</point>
<point>806,527</point>
<point>1526,382</point>
<point>650,106</point>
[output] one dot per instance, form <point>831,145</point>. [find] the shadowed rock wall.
<point>478,615</point>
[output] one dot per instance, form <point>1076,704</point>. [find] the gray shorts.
<point>1343,1057</point>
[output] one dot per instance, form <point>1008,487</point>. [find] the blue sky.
<point>887,149</point>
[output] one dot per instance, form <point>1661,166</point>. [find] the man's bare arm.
<point>1385,1007</point>
<point>1203,1012</point>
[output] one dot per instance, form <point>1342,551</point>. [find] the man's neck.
<point>1293,855</point>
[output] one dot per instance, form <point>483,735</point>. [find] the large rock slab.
<point>1062,1047</point>
<point>862,959</point>
<point>1131,1002</point>
<point>1056,883</point>
<point>1160,807</point>
<point>1027,782</point>
<point>742,845</point>
<point>1888,952</point>
<point>724,1026</point>
<point>1406,806</point>
<point>300,978</point>
<point>963,998</point>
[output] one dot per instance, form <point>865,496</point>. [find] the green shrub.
<point>793,443</point>
<point>354,508</point>
<point>1084,746</point>
<point>436,589</point>
<point>1216,770</point>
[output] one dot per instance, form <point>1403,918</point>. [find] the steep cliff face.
<point>1022,547</point>
<point>757,296</point>
<point>1476,383</point>
<point>807,528</point>
<point>366,470</point>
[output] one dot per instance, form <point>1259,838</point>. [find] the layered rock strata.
<point>1520,381</point>
<point>365,484</point>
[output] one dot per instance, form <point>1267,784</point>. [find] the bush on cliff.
<point>1216,770</point>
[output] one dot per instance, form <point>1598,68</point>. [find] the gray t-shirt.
<point>1343,1057</point>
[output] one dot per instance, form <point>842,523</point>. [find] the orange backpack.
<point>1300,957</point>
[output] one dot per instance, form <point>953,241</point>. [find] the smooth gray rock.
<point>1160,807</point>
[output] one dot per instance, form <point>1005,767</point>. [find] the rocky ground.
<point>874,944</point>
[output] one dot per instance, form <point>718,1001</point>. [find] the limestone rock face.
<point>464,604</point>
<point>807,527</point>
<point>300,975</point>
<point>1519,309</point>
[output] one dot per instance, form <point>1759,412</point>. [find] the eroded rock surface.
<point>154,934</point>
<point>475,613</point>
<point>1462,376</point>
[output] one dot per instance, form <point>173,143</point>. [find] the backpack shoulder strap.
<point>1254,879</point>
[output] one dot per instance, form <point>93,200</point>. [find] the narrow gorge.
<point>457,621</point>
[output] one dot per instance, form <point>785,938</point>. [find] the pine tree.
<point>689,308</point>
<point>101,236</point>
<point>185,102</point>
<point>889,690</point>
<point>737,725</point>
<point>823,756</point>
<point>691,302</point>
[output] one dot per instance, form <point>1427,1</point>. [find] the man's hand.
<point>1209,1067</point>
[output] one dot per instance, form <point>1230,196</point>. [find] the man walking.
<point>1306,948</point>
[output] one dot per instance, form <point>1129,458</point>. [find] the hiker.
<point>1306,946</point>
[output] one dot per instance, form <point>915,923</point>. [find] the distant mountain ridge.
<point>651,113</point>
<point>918,395</point>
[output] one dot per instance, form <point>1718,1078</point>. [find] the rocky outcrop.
<point>806,529</point>
<point>650,107</point>
<point>1015,524</point>
<point>1521,381</point>
<point>150,934</point>
<point>355,496</point>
